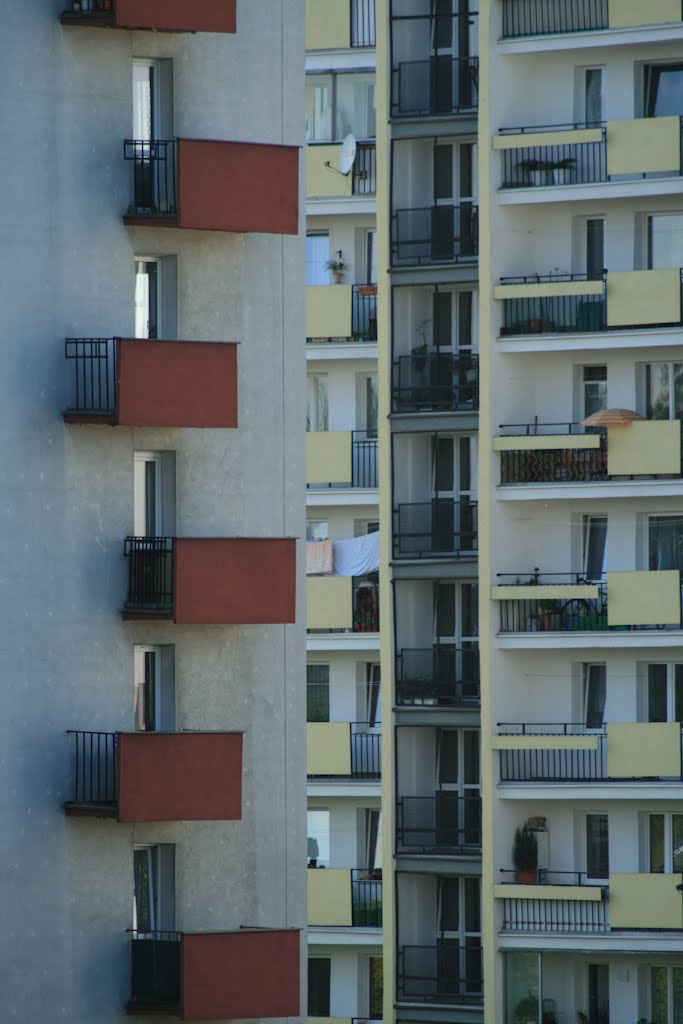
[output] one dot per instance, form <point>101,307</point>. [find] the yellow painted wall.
<point>544,743</point>
<point>543,289</point>
<point>328,457</point>
<point>545,442</point>
<point>551,592</point>
<point>562,138</point>
<point>643,297</point>
<point>329,748</point>
<point>647,144</point>
<point>328,25</point>
<point>330,600</point>
<point>328,311</point>
<point>628,13</point>
<point>644,598</point>
<point>589,893</point>
<point>645,901</point>
<point>329,896</point>
<point>648,447</point>
<point>643,749</point>
<point>324,181</point>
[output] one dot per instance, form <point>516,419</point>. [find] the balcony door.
<point>665,542</point>
<point>154,164</point>
<point>664,693</point>
<point>454,40</point>
<point>457,787</point>
<point>455,184</point>
<point>458,936</point>
<point>154,688</point>
<point>456,631</point>
<point>154,888</point>
<point>453,487</point>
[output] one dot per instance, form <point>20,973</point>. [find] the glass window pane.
<point>318,829</point>
<point>664,90</point>
<point>677,994</point>
<point>472,906</point>
<point>595,546</point>
<point>443,172</point>
<point>319,986</point>
<point>317,255</point>
<point>659,995</point>
<point>448,756</point>
<point>318,108</point>
<point>593,84</point>
<point>470,609</point>
<point>666,240</point>
<point>678,693</point>
<point>317,693</point>
<point>471,758</point>
<point>595,690</point>
<point>665,539</point>
<point>656,844</point>
<point>597,846</point>
<point>376,983</point>
<point>445,609</point>
<point>595,248</point>
<point>355,106</point>
<point>522,979</point>
<point>656,693</point>
<point>449,918</point>
<point>445,471</point>
<point>677,843</point>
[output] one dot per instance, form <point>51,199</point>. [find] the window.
<point>154,494</point>
<point>593,90</point>
<point>594,692</point>
<point>665,240</point>
<point>317,693</point>
<point>597,847</point>
<point>317,255</point>
<point>666,843</point>
<point>665,542</point>
<point>154,888</point>
<point>594,547</point>
<point>340,104</point>
<point>373,839</point>
<point>598,993</point>
<point>317,529</point>
<point>375,987</point>
<point>154,688</point>
<point>317,411</point>
<point>367,404</point>
<point>665,693</point>
<point>319,969</point>
<point>595,248</point>
<point>663,90</point>
<point>663,391</point>
<point>156,297</point>
<point>318,828</point>
<point>369,704</point>
<point>666,995</point>
<point>594,389</point>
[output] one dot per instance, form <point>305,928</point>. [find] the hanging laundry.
<point>356,556</point>
<point>318,557</point>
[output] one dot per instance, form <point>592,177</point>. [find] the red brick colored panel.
<point>240,975</point>
<point>180,776</point>
<point>177,15</point>
<point>238,186</point>
<point>238,580</point>
<point>177,383</point>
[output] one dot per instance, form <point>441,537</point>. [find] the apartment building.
<point>342,672</point>
<point>580,256</point>
<point>428,97</point>
<point>153,738</point>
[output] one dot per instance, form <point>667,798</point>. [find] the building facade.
<point>153,808</point>
<point>345,886</point>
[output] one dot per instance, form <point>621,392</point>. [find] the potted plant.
<point>534,170</point>
<point>562,170</point>
<point>336,266</point>
<point>525,855</point>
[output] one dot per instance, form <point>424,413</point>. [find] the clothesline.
<point>352,556</point>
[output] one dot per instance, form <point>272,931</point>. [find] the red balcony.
<point>211,581</point>
<point>214,186</point>
<point>216,975</point>
<point>136,382</point>
<point>160,15</point>
<point>157,776</point>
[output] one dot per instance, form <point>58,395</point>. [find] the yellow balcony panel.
<point>644,145</point>
<point>588,893</point>
<point>546,289</point>
<point>328,311</point>
<point>645,901</point>
<point>637,750</point>
<point>648,448</point>
<point>328,25</point>
<point>544,743</point>
<point>330,602</point>
<point>637,297</point>
<point>545,442</point>
<point>559,138</point>
<point>329,749</point>
<point>328,457</point>
<point>644,598</point>
<point>322,180</point>
<point>551,592</point>
<point>630,13</point>
<point>329,897</point>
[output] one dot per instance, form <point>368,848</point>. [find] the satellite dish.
<point>347,154</point>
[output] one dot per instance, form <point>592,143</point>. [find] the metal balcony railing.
<point>366,751</point>
<point>94,768</point>
<point>443,823</point>
<point>436,381</point>
<point>362,23</point>
<point>364,458</point>
<point>154,176</point>
<point>437,527</point>
<point>364,312</point>
<point>92,376</point>
<point>558,465</point>
<point>569,163</point>
<point>435,234</point>
<point>365,170</point>
<point>446,972</point>
<point>150,573</point>
<point>366,899</point>
<point>443,675</point>
<point>441,84</point>
<point>566,916</point>
<point>538,17</point>
<point>155,969</point>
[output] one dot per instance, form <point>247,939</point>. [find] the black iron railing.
<point>443,675</point>
<point>155,969</point>
<point>544,876</point>
<point>437,527</point>
<point>569,163</point>
<point>364,312</point>
<point>150,573</point>
<point>555,465</point>
<point>568,916</point>
<point>435,234</point>
<point>445,822</point>
<point>362,22</point>
<point>94,766</point>
<point>539,17</point>
<point>154,176</point>
<point>365,170</point>
<point>446,972</point>
<point>443,84</point>
<point>554,314</point>
<point>364,458</point>
<point>436,380</point>
<point>92,377</point>
<point>366,751</point>
<point>366,603</point>
<point>366,899</point>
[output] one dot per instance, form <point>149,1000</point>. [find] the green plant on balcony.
<point>336,266</point>
<point>525,855</point>
<point>526,1012</point>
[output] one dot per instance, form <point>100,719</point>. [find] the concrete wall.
<point>68,884</point>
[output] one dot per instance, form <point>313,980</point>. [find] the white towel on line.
<point>356,556</point>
